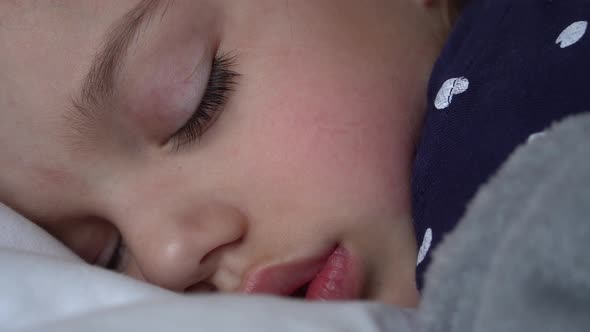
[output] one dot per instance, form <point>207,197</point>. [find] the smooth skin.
<point>313,148</point>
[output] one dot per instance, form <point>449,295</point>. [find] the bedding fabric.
<point>509,69</point>
<point>47,294</point>
<point>518,261</point>
<point>17,233</point>
<point>44,287</point>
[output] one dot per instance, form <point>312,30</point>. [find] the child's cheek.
<point>329,138</point>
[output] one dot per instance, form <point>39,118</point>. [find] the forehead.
<point>47,45</point>
<point>46,48</point>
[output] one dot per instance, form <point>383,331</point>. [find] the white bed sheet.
<point>45,287</point>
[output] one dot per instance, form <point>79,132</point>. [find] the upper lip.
<point>284,279</point>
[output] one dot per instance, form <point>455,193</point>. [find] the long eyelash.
<point>117,256</point>
<point>221,82</point>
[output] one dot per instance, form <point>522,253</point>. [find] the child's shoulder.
<point>508,70</point>
<point>524,25</point>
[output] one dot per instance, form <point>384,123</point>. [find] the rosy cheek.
<point>333,140</point>
<point>305,146</point>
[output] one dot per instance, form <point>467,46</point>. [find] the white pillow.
<point>45,287</point>
<point>18,233</point>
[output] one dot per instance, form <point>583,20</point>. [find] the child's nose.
<point>181,253</point>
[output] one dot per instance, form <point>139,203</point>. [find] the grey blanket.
<point>520,258</point>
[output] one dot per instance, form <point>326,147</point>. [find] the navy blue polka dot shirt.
<point>509,69</point>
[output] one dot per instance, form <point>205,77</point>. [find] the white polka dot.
<point>572,34</point>
<point>450,88</point>
<point>425,247</point>
<point>535,136</point>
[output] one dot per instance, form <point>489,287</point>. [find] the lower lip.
<point>340,279</point>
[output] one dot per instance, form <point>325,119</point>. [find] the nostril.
<point>201,287</point>
<point>215,251</point>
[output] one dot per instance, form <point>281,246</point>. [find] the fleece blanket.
<point>520,258</point>
<point>518,261</point>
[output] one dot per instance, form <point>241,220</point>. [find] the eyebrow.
<point>98,86</point>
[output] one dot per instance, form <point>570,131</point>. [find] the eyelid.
<point>220,82</point>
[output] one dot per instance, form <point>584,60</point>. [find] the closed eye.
<point>114,262</point>
<point>222,81</point>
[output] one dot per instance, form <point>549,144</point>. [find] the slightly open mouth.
<point>334,276</point>
<point>300,292</point>
<point>339,279</point>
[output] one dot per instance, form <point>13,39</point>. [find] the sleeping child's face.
<point>240,146</point>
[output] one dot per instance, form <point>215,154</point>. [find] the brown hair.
<point>455,7</point>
